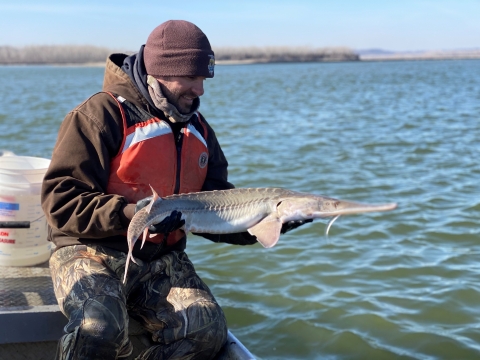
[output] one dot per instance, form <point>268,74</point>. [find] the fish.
<point>260,211</point>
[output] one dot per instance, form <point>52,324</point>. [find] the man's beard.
<point>185,109</point>
<point>175,99</point>
<point>166,101</point>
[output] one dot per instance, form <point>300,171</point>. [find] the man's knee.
<point>102,333</point>
<point>207,325</point>
<point>203,337</point>
<point>105,317</point>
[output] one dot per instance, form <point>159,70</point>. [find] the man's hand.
<point>171,223</point>
<point>290,225</point>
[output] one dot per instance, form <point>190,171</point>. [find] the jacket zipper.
<point>178,143</point>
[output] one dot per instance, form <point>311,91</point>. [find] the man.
<point>143,129</point>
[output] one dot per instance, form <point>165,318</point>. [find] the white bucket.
<point>20,184</point>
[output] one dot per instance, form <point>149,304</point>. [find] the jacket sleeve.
<point>74,191</point>
<point>217,179</point>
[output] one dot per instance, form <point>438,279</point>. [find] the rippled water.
<point>397,285</point>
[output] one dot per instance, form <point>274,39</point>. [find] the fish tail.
<point>145,233</point>
<point>126,268</point>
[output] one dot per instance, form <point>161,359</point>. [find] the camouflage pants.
<point>165,296</point>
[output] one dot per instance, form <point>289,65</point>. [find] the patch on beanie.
<point>211,64</point>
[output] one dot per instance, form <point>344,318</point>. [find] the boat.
<point>31,322</point>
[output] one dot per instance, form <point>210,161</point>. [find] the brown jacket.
<point>74,198</point>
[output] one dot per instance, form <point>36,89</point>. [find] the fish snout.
<point>328,205</point>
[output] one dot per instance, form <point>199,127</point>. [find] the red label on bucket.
<point>7,241</point>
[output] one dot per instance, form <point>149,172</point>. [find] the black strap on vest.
<point>133,113</point>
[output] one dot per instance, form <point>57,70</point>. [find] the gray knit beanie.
<point>178,48</point>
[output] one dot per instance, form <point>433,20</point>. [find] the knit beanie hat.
<point>178,48</point>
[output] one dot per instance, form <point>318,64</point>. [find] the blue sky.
<point>399,25</point>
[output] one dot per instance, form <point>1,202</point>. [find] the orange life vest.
<point>150,156</point>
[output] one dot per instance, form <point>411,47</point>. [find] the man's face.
<point>182,90</point>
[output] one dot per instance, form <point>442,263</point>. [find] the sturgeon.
<point>260,211</point>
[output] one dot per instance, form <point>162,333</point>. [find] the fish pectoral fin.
<point>267,231</point>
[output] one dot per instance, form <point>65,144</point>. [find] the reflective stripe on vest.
<point>144,132</point>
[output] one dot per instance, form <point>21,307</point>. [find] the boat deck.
<point>31,322</point>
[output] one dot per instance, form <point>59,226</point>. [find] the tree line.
<point>285,54</point>
<point>84,54</point>
<point>52,54</point>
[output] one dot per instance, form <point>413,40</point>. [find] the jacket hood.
<point>117,81</point>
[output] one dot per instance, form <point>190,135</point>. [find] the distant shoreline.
<point>423,55</point>
<point>253,62</point>
<point>79,55</point>
<point>91,56</point>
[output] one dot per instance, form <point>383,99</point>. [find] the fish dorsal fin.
<point>155,198</point>
<point>267,231</point>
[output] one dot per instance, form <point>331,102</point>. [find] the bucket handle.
<point>14,224</point>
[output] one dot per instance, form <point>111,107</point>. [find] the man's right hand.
<point>171,223</point>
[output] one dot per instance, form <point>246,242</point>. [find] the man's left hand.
<point>290,225</point>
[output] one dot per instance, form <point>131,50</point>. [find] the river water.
<point>398,285</point>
